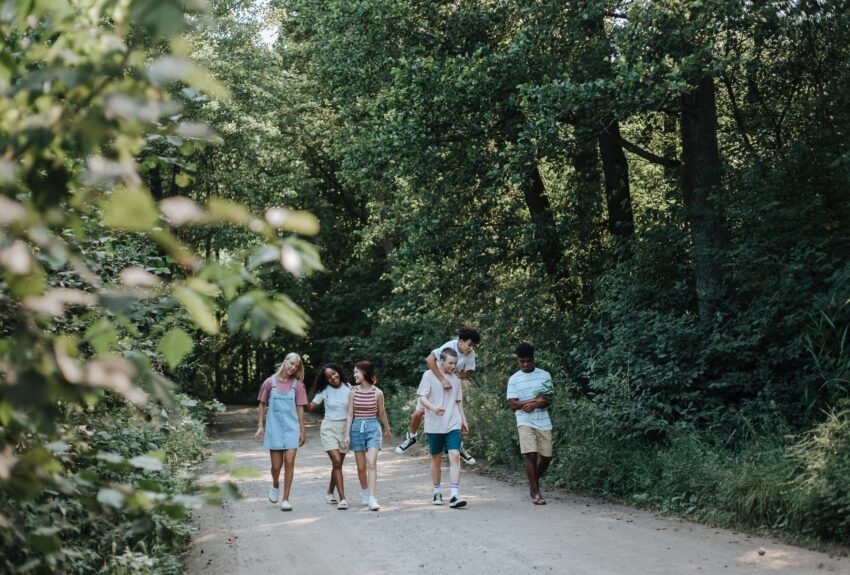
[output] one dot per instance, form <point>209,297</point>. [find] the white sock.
<point>438,490</point>
<point>364,492</point>
<point>455,489</point>
<point>410,435</point>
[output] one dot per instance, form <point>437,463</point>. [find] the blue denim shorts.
<point>365,434</point>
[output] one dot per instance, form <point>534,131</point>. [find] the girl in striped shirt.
<point>362,431</point>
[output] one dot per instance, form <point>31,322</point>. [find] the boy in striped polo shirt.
<point>528,395</point>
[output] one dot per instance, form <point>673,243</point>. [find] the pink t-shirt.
<point>431,388</point>
<point>283,386</point>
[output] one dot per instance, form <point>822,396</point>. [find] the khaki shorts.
<point>333,435</point>
<point>533,440</point>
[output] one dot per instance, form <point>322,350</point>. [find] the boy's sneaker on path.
<point>405,444</point>
<point>373,504</point>
<point>438,499</point>
<point>274,494</point>
<point>457,501</point>
<point>285,506</point>
<point>464,454</point>
<point>364,499</point>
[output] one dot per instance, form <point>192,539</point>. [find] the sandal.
<point>330,498</point>
<point>343,504</point>
<point>538,500</point>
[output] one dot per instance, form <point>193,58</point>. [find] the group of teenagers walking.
<point>353,412</point>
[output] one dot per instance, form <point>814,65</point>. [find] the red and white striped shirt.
<point>365,403</point>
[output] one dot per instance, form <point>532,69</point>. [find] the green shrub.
<point>821,490</point>
<point>139,523</point>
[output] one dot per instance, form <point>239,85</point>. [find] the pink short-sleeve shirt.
<point>283,386</point>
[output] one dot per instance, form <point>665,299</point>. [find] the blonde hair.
<point>299,372</point>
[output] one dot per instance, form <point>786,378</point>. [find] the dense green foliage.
<point>138,525</point>
<point>655,194</point>
<point>109,282</point>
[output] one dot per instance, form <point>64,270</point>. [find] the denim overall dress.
<point>283,431</point>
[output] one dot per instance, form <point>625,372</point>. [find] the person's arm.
<point>303,437</point>
<point>464,425</point>
<point>466,373</point>
<point>313,405</point>
<point>431,360</point>
<point>528,405</point>
<point>261,420</point>
<point>428,405</point>
<point>382,413</point>
<point>349,419</point>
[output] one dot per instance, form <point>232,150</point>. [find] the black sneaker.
<point>405,444</point>
<point>438,499</point>
<point>467,458</point>
<point>457,501</point>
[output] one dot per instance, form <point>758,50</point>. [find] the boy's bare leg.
<point>436,471</point>
<point>416,421</point>
<point>542,465</point>
<point>531,472</point>
<point>454,466</point>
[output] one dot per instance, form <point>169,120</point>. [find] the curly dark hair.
<point>322,382</point>
<point>524,350</point>
<point>466,333</point>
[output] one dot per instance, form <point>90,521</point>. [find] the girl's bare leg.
<point>277,463</point>
<point>360,457</point>
<point>336,473</point>
<point>372,465</point>
<point>288,471</point>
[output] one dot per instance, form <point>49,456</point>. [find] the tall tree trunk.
<point>155,178</point>
<point>546,239</point>
<point>173,188</point>
<point>246,354</point>
<point>615,167</point>
<point>618,195</point>
<point>701,181</point>
<point>588,201</point>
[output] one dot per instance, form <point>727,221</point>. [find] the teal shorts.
<point>440,442</point>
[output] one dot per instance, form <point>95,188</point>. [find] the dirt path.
<point>499,532</point>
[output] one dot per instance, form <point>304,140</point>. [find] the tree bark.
<point>618,196</point>
<point>246,354</point>
<point>155,178</point>
<point>701,181</point>
<point>588,202</point>
<point>615,167</point>
<point>547,242</point>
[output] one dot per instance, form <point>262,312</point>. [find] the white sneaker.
<point>285,506</point>
<point>364,499</point>
<point>373,504</point>
<point>274,494</point>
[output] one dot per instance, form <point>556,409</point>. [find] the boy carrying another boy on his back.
<point>464,348</point>
<point>444,420</point>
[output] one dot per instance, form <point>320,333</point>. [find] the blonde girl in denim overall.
<point>281,424</point>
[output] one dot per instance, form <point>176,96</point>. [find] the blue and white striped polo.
<point>525,386</point>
